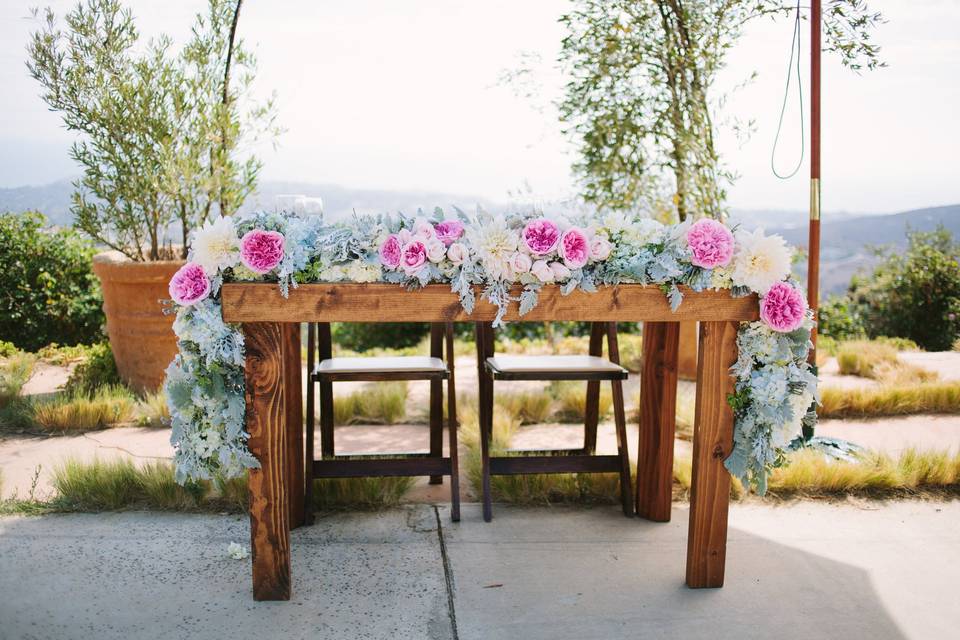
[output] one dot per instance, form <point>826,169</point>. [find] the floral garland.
<point>775,386</point>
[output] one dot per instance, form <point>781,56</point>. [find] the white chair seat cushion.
<point>391,364</point>
<point>552,364</point>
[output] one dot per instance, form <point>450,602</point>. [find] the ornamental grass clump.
<point>531,407</point>
<point>377,403</point>
<point>15,371</point>
<point>878,360</point>
<point>78,411</point>
<point>571,400</point>
<point>930,397</point>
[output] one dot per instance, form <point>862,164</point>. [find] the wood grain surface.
<point>712,443</point>
<point>381,302</point>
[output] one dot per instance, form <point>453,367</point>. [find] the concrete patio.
<point>803,570</point>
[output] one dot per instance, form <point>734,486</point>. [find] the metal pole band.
<point>814,198</point>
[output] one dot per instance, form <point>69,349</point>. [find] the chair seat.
<point>384,365</point>
<point>555,367</point>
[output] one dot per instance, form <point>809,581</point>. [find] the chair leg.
<point>327,449</point>
<point>452,426</point>
<point>591,414</point>
<point>485,417</point>
<point>620,420</point>
<point>311,422</point>
<point>436,400</point>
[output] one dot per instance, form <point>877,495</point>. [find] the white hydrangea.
<point>760,261</point>
<point>215,246</point>
<point>360,271</point>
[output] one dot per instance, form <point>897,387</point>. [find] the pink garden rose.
<point>783,307</point>
<point>711,243</point>
<point>600,247</point>
<point>423,230</point>
<point>189,285</point>
<point>436,251</point>
<point>560,270</point>
<point>261,251</point>
<point>457,253</point>
<point>542,271</point>
<point>520,263</point>
<point>541,236</point>
<point>413,257</point>
<point>574,247</point>
<point>449,231</point>
<point>390,252</point>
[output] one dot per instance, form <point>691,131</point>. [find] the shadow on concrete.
<point>591,573</point>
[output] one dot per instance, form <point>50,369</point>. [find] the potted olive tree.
<point>160,133</point>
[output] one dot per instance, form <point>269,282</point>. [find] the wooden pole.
<point>813,244</point>
<point>813,257</point>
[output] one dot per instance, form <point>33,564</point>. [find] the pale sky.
<point>404,95</point>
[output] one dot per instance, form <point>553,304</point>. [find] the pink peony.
<point>390,252</point>
<point>261,251</point>
<point>783,308</point>
<point>540,236</point>
<point>574,247</point>
<point>711,243</point>
<point>449,231</point>
<point>413,257</point>
<point>189,284</point>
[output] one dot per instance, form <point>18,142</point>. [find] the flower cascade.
<point>507,259</point>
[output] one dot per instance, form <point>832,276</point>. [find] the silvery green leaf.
<point>567,287</point>
<point>528,299</point>
<point>675,297</point>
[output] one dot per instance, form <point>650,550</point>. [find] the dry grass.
<point>531,407</point>
<point>15,371</point>
<point>80,412</point>
<point>878,360</point>
<point>811,474</point>
<point>930,397</point>
<point>571,397</point>
<point>377,403</point>
<point>152,410</point>
<point>360,493</point>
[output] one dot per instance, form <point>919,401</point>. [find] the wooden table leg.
<point>267,413</point>
<point>712,443</point>
<point>658,410</point>
<point>293,402</point>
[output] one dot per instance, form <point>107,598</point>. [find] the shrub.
<point>839,318</point>
<point>98,369</point>
<point>48,292</point>
<point>915,294</point>
<point>360,337</point>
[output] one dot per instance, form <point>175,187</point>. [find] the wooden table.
<point>271,327</point>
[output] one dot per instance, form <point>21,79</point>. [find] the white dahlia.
<point>760,261</point>
<point>495,243</point>
<point>215,246</point>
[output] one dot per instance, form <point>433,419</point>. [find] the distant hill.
<point>845,243</point>
<point>846,237</point>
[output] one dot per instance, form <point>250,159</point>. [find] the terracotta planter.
<point>141,336</point>
<point>687,353</point>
